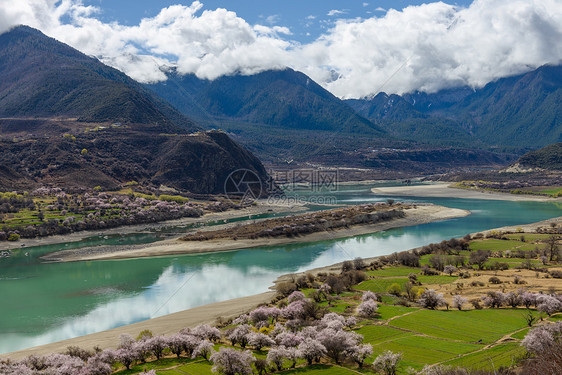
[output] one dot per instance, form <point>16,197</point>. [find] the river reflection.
<point>44,303</point>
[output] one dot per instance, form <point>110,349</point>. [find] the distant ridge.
<point>521,112</point>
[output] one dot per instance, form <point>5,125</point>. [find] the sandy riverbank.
<point>262,207</point>
<point>442,190</point>
<point>421,214</point>
<point>164,325</point>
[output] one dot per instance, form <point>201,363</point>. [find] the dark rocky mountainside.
<point>198,164</point>
<point>549,157</point>
<point>67,119</point>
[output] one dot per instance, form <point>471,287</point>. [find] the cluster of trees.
<point>99,211</point>
<point>306,224</point>
<point>299,329</point>
<point>76,361</point>
<point>12,202</point>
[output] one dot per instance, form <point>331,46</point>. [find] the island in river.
<point>357,220</point>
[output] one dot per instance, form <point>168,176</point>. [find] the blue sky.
<point>297,15</point>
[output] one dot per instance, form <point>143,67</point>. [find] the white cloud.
<point>365,4</point>
<point>426,47</point>
<point>335,12</point>
<point>380,9</point>
<point>434,46</point>
<point>272,19</point>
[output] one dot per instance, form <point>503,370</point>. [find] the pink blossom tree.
<point>239,335</point>
<point>204,349</point>
<point>387,362</point>
<point>542,338</point>
<point>205,331</point>
<point>295,310</point>
<point>312,350</point>
<point>449,269</point>
<point>156,345</point>
<point>359,353</point>
<point>228,361</point>
<point>548,304</point>
<point>259,340</point>
<point>367,308</point>
<point>431,299</point>
<point>459,301</point>
<point>368,295</point>
<point>338,342</point>
<point>276,356</point>
<point>296,296</point>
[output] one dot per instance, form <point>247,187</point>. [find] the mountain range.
<point>515,113</point>
<point>66,118</point>
<point>285,115</point>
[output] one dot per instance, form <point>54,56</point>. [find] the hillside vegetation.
<point>549,157</point>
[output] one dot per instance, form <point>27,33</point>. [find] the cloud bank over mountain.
<point>427,47</point>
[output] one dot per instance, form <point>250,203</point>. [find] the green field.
<point>494,357</point>
<point>418,351</point>
<point>483,326</point>
<point>380,285</point>
<point>393,272</point>
<point>511,262</point>
<point>437,279</point>
<point>528,236</point>
<point>376,334</point>
<point>495,245</point>
<point>389,311</point>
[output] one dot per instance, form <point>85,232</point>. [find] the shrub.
<point>173,198</point>
<point>409,259</point>
<point>144,335</point>
<point>428,271</point>
<point>557,274</point>
<point>494,280</point>
<point>285,288</point>
<point>395,289</point>
<point>13,237</point>
<point>476,304</point>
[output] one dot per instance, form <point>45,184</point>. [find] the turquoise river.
<point>43,303</point>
